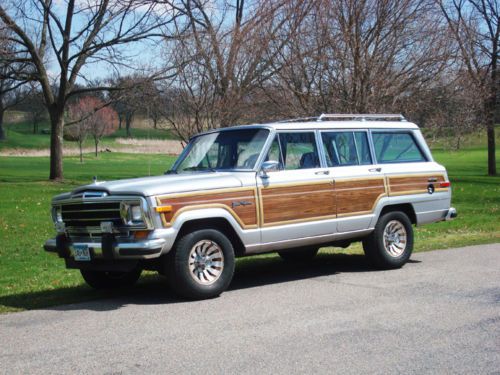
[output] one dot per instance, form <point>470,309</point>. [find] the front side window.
<point>295,151</point>
<point>396,147</point>
<point>346,148</point>
<point>224,150</point>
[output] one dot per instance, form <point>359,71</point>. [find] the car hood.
<point>159,185</point>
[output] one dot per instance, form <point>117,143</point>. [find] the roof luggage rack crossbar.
<point>362,117</point>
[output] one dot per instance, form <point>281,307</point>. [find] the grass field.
<point>20,136</point>
<point>30,278</point>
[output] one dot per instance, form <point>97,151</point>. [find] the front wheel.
<point>201,264</point>
<point>109,280</point>
<point>391,243</point>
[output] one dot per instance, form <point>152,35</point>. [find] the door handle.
<point>375,169</point>
<point>322,172</point>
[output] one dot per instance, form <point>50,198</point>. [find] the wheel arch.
<point>406,208</point>
<point>218,223</point>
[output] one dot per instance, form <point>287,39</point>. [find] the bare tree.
<point>360,56</point>
<point>78,33</point>
<point>475,25</point>
<point>225,55</point>
<point>13,76</point>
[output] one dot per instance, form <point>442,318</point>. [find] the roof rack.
<point>298,119</point>
<point>361,117</point>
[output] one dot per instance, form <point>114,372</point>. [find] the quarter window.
<point>395,147</point>
<point>346,148</point>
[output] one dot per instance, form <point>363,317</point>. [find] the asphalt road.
<point>439,314</point>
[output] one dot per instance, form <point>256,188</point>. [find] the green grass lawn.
<point>31,278</point>
<point>20,135</point>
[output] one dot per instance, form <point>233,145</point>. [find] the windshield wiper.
<point>200,169</point>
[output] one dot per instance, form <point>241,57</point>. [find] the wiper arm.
<point>171,171</point>
<point>201,169</point>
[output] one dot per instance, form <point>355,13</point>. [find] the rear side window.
<point>396,148</point>
<point>346,148</point>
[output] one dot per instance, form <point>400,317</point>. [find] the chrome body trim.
<point>306,241</point>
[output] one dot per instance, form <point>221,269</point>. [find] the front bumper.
<point>108,248</point>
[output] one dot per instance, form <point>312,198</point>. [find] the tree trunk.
<point>96,142</point>
<point>56,140</point>
<point>2,133</point>
<point>492,164</point>
<point>491,112</point>
<point>128,123</point>
<point>80,143</point>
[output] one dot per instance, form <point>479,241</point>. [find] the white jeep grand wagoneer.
<point>290,187</point>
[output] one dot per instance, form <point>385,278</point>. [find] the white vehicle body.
<point>264,210</point>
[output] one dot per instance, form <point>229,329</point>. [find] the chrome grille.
<point>91,214</point>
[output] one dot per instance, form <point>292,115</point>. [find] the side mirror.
<point>269,166</point>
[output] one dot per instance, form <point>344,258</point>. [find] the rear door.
<point>359,183</point>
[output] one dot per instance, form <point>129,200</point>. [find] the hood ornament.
<point>94,180</point>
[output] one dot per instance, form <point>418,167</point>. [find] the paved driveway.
<point>439,314</point>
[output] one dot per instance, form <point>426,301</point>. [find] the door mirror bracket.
<point>269,166</point>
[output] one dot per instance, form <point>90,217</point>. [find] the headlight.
<point>136,213</point>
<point>131,213</point>
<point>56,214</point>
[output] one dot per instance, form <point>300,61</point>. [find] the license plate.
<point>82,253</point>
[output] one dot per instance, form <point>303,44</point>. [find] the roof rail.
<point>298,119</point>
<point>362,117</point>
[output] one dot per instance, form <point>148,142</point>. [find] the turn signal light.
<point>445,184</point>
<point>140,234</point>
<point>164,209</point>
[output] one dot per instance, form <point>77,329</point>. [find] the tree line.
<point>200,64</point>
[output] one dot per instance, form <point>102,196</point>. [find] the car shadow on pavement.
<point>152,289</point>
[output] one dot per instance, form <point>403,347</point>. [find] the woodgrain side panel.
<point>401,185</point>
<point>246,214</point>
<point>358,196</point>
<point>297,202</point>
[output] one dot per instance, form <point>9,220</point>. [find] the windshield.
<point>224,150</point>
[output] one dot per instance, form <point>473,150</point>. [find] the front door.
<point>298,200</point>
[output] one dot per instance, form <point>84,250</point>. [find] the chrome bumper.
<point>147,249</point>
<point>451,214</point>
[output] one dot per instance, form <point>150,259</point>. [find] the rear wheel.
<point>391,243</point>
<point>302,254</point>
<point>107,279</point>
<point>201,265</point>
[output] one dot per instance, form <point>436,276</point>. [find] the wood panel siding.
<point>230,200</point>
<point>291,203</point>
<point>357,197</point>
<point>417,184</point>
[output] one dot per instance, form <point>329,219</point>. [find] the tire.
<point>201,264</point>
<point>301,254</point>
<point>390,245</point>
<point>110,280</point>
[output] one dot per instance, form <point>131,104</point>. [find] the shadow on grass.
<point>152,289</point>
